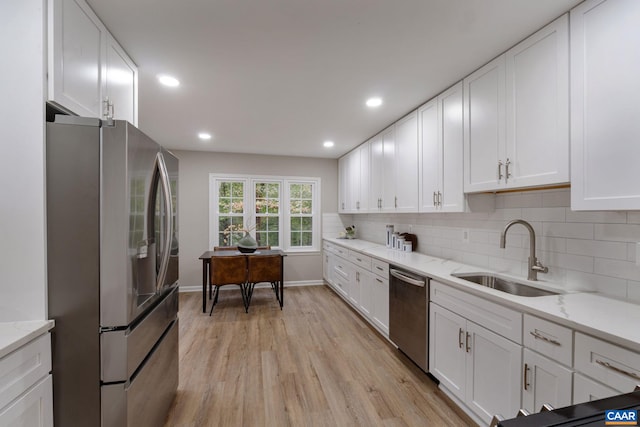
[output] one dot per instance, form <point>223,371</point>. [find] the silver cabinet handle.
<point>439,199</point>
<point>460,333</point>
<point>435,199</point>
<point>525,379</point>
<point>378,280</point>
<point>506,167</point>
<point>467,342</point>
<point>500,176</point>
<point>395,202</point>
<point>380,268</point>
<point>537,336</point>
<point>618,370</point>
<point>358,204</point>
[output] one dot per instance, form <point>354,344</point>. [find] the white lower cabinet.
<point>479,367</point>
<point>544,382</point>
<point>380,296</point>
<point>26,394</point>
<point>586,390</point>
<point>360,280</point>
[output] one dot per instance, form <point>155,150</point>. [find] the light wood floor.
<point>316,363</point>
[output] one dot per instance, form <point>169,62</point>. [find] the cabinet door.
<point>605,130</point>
<point>493,374</point>
<point>365,282</point>
<point>406,164</point>
<point>343,182</point>
<point>388,201</point>
<point>484,126</point>
<point>537,105</point>
<point>450,135</point>
<point>76,49</point>
<point>121,83</point>
<point>447,349</point>
<point>586,390</point>
<point>381,303</point>
<point>429,152</point>
<point>354,285</point>
<point>33,409</point>
<point>545,381</point>
<point>377,172</point>
<point>363,199</point>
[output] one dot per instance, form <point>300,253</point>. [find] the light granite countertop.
<point>14,335</point>
<point>595,314</point>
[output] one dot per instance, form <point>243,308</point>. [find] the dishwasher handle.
<point>407,279</point>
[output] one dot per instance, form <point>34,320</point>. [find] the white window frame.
<point>284,215</point>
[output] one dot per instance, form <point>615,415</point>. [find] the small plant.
<point>350,232</point>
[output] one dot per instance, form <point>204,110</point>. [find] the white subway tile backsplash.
<point>583,250</point>
<point>633,217</point>
<point>544,214</point>
<point>633,291</point>
<point>569,230</point>
<point>597,248</point>
<point>617,268</point>
<point>596,217</point>
<point>618,232</point>
<point>556,199</point>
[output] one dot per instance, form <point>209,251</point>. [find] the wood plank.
<point>314,363</point>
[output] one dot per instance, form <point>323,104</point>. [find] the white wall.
<point>193,204</point>
<point>22,208</point>
<point>592,250</point>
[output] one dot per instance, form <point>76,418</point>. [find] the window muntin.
<point>278,211</point>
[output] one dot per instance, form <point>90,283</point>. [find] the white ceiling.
<point>282,76</point>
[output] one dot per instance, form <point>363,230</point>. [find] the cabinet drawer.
<point>363,261</point>
<point>380,268</point>
<point>501,320</point>
<point>341,269</point>
<point>549,339</point>
<point>340,251</point>
<point>24,367</point>
<point>613,366</point>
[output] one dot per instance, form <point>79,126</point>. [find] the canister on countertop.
<point>394,239</point>
<point>389,235</point>
<point>408,246</point>
<point>400,243</point>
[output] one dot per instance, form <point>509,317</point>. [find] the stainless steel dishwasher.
<point>408,314</point>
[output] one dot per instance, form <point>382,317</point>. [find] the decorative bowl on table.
<point>247,244</point>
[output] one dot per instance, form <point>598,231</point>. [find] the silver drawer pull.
<point>537,336</point>
<point>380,268</point>
<point>378,280</point>
<point>618,370</point>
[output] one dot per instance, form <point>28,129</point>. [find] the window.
<point>281,212</point>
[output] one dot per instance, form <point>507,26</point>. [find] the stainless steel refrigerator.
<point>112,251</point>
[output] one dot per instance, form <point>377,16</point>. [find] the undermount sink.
<point>504,285</point>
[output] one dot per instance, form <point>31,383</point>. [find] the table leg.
<point>204,286</point>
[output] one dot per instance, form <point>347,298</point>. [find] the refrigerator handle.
<point>166,242</point>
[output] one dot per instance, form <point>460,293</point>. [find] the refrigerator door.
<point>132,174</point>
<point>171,163</point>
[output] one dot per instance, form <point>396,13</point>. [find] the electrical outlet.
<point>410,227</point>
<point>465,236</point>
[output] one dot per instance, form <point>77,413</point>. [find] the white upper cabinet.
<point>484,127</point>
<point>89,73</point>
<point>76,57</point>
<point>405,197</point>
<point>537,105</point>
<point>382,171</point>
<point>440,152</point>
<point>605,130</point>
<point>353,170</point>
<point>516,115</point>
<point>121,83</point>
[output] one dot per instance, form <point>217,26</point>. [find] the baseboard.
<point>198,288</point>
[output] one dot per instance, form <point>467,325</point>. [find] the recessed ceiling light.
<point>204,136</point>
<point>328,144</point>
<point>374,102</point>
<point>168,80</point>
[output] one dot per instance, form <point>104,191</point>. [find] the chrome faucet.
<point>534,264</point>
